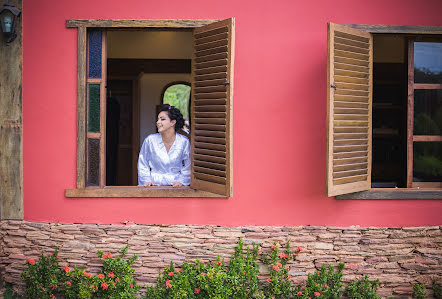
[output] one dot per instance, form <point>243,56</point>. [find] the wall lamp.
<point>9,15</point>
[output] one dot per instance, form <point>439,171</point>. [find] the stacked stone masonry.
<point>399,257</point>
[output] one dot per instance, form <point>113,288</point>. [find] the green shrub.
<point>437,290</point>
<point>242,272</point>
<point>77,284</point>
<point>419,291</point>
<point>238,279</point>
<point>42,277</point>
<point>116,278</point>
<point>363,288</point>
<point>279,284</point>
<point>325,283</point>
<point>211,280</point>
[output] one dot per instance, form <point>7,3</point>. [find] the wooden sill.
<point>135,191</point>
<point>394,193</point>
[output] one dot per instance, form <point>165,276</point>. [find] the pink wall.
<point>279,114</point>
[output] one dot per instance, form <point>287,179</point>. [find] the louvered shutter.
<point>211,117</point>
<point>349,106</point>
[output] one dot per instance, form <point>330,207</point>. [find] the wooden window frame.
<point>81,189</point>
<point>396,193</point>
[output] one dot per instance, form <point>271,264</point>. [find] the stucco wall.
<point>399,257</point>
<point>279,114</point>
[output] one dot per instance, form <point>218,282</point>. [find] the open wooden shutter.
<point>211,117</point>
<point>349,106</point>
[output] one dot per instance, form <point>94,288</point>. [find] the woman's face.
<point>164,123</point>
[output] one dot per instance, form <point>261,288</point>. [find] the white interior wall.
<point>389,48</point>
<point>149,44</point>
<point>152,86</point>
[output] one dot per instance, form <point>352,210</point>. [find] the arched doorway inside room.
<point>178,94</point>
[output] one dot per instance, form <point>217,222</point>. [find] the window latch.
<point>227,83</point>
<point>333,86</point>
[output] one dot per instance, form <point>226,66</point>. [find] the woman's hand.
<point>177,184</point>
<point>148,184</point>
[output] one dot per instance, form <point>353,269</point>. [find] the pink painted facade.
<point>279,115</point>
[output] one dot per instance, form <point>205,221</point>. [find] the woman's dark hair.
<point>174,114</point>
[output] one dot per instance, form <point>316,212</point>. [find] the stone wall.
<point>399,257</point>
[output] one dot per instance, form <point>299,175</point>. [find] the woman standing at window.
<point>164,158</point>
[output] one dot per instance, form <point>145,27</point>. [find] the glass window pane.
<point>94,37</point>
<point>93,171</point>
<point>94,108</point>
<point>427,162</point>
<point>427,62</point>
<point>178,95</point>
<point>428,112</point>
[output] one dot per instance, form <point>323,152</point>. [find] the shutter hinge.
<point>333,86</point>
<point>227,83</point>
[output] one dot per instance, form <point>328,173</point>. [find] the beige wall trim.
<point>11,146</point>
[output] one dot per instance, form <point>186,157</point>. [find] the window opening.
<point>139,64</point>
<point>392,165</point>
<point>389,159</point>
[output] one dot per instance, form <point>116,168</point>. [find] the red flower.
<point>203,273</point>
<point>299,249</point>
<point>107,255</point>
<point>117,280</point>
<point>273,297</point>
<point>196,291</point>
<point>322,292</point>
<point>273,246</point>
<point>168,284</point>
<point>299,293</point>
<point>289,276</point>
<point>317,294</point>
<point>219,263</point>
<point>276,268</point>
<point>170,274</point>
<point>31,261</point>
<point>279,265</point>
<point>52,296</point>
<point>92,286</point>
<point>131,285</point>
<point>100,275</point>
<point>53,287</point>
<point>283,256</point>
<point>68,283</point>
<point>325,286</point>
<point>104,286</point>
<point>269,279</point>
<point>111,274</point>
<point>178,270</point>
<point>66,269</point>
